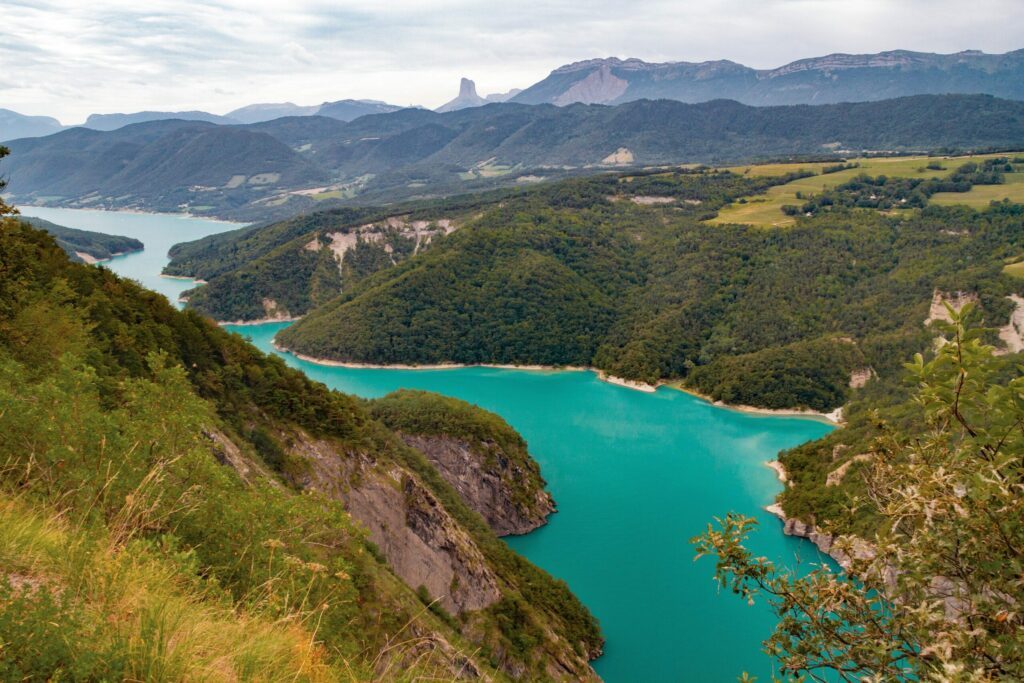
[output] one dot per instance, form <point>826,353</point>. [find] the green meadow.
<point>766,209</point>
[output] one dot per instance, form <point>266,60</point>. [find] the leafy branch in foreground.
<point>938,596</point>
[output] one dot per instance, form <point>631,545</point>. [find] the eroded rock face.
<point>600,86</point>
<point>498,489</point>
<point>956,300</point>
<point>843,549</point>
<point>424,545</point>
<point>1012,334</point>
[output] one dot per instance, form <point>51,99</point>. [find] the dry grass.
<point>148,610</point>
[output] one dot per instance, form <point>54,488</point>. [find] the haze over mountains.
<point>820,80</point>
<point>14,125</point>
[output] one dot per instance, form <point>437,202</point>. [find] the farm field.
<point>1015,269</point>
<point>766,209</point>
<point>980,195</point>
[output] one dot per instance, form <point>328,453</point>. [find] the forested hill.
<point>254,171</point>
<point>622,273</point>
<point>174,501</point>
<point>85,245</point>
<point>286,268</point>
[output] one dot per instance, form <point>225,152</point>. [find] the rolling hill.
<point>626,274</point>
<point>289,165</point>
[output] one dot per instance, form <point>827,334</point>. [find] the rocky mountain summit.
<point>819,80</point>
<point>468,97</point>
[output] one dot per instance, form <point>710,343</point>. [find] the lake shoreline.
<point>834,418</point>
<point>92,260</point>
<point>601,374</point>
<point>196,280</point>
<point>261,321</point>
<point>137,212</point>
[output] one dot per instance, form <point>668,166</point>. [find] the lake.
<point>635,476</point>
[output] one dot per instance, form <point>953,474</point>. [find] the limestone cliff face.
<point>423,544</point>
<point>501,490</point>
<point>844,550</point>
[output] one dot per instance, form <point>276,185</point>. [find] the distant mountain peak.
<point>467,88</point>
<point>467,98</point>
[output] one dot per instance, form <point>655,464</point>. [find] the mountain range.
<point>14,125</point>
<point>819,80</point>
<point>293,164</point>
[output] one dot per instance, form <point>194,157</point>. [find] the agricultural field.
<point>486,169</point>
<point>980,195</point>
<point>1015,269</point>
<point>766,209</point>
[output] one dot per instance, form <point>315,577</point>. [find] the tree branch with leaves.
<point>940,596</point>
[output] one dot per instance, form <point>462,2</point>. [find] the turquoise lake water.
<point>635,476</point>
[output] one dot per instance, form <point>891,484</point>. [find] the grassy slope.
<point>1015,269</point>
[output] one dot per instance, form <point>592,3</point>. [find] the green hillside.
<point>295,164</point>
<point>165,513</point>
<point>595,272</point>
<point>305,261</point>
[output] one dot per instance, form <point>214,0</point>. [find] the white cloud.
<point>68,58</point>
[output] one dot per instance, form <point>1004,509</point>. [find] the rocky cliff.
<point>432,507</point>
<point>422,542</point>
<point>494,485</point>
<point>477,453</point>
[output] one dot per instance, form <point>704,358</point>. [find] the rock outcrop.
<point>491,483</point>
<point>601,85</point>
<point>956,300</point>
<point>1012,334</point>
<point>423,543</point>
<point>467,98</point>
<point>843,549</point>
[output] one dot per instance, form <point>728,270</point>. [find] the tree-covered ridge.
<point>97,246</point>
<point>284,167</point>
<point>125,533</point>
<point>623,274</point>
<point>305,261</point>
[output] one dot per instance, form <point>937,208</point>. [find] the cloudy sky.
<point>69,58</point>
